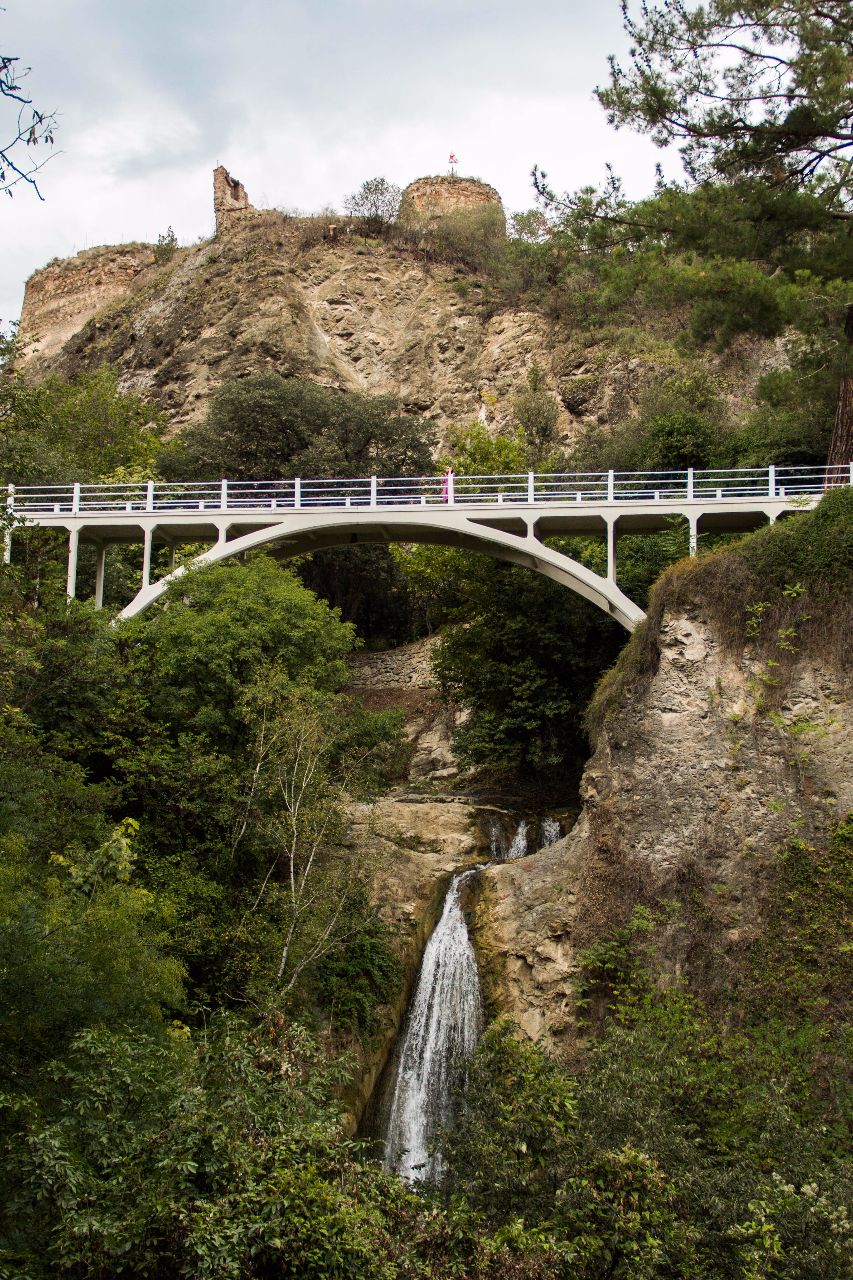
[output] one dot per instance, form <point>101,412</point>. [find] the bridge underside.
<point>322,532</point>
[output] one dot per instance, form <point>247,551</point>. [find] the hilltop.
<point>417,318</point>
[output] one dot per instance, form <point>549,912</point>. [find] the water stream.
<point>444,1024</point>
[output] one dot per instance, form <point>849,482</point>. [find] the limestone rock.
<point>690,793</point>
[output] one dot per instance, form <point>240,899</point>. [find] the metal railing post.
<point>771,481</point>
<point>689,484</point>
<point>611,486</point>
<point>149,496</point>
<point>451,489</point>
<point>373,491</point>
<point>297,492</point>
<point>75,500</point>
<point>223,495</point>
<point>531,487</point>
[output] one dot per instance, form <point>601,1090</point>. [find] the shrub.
<point>165,247</point>
<point>376,203</point>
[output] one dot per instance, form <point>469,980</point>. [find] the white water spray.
<point>444,1025</point>
<point>550,832</point>
<point>518,848</point>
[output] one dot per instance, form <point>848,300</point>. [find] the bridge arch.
<point>330,530</point>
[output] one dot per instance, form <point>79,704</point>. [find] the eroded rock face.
<point>61,297</point>
<point>402,678</point>
<point>359,316</point>
<point>691,791</point>
<point>418,841</point>
<point>417,846</point>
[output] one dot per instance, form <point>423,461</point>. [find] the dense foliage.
<point>265,427</point>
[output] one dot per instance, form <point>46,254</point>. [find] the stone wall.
<point>60,298</point>
<point>427,199</point>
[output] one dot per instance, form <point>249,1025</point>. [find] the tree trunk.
<point>841,445</point>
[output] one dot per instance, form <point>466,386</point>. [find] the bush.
<point>266,427</point>
<point>164,249</point>
<point>376,203</point>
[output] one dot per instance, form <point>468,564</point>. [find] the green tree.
<point>58,432</point>
<point>761,87</point>
<point>537,412</point>
<point>376,203</point>
<point>756,90</point>
<point>266,427</point>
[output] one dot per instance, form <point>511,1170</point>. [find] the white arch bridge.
<point>507,517</point>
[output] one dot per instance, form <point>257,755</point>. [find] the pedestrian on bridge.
<point>447,484</point>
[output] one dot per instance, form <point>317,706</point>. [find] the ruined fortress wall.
<point>428,199</point>
<point>61,297</point>
<point>229,198</point>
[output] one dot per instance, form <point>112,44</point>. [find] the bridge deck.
<point>507,516</point>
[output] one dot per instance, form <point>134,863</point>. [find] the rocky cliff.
<point>693,788</point>
<point>309,297</point>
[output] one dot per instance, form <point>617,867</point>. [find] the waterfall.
<point>444,1024</point>
<point>497,844</point>
<point>550,832</point>
<point>518,848</point>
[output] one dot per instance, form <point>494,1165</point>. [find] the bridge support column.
<point>100,567</point>
<point>146,558</point>
<point>693,522</point>
<point>7,534</point>
<point>73,549</point>
<point>611,549</point>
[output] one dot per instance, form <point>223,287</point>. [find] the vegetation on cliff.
<point>781,595</point>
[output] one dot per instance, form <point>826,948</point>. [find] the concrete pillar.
<point>73,549</point>
<point>172,558</point>
<point>100,566</point>
<point>7,532</point>
<point>611,550</point>
<point>146,558</point>
<point>693,522</point>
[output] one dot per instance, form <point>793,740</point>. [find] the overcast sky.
<point>302,100</point>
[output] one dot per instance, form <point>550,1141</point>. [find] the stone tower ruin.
<point>426,200</point>
<point>229,198</point>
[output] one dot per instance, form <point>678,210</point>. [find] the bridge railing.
<point>163,496</point>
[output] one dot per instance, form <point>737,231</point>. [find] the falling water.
<point>497,844</point>
<point>518,848</point>
<point>445,1022</point>
<point>550,832</point>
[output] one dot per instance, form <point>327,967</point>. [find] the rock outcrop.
<point>277,293</point>
<point>690,793</point>
<point>64,295</point>
<point>402,678</point>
